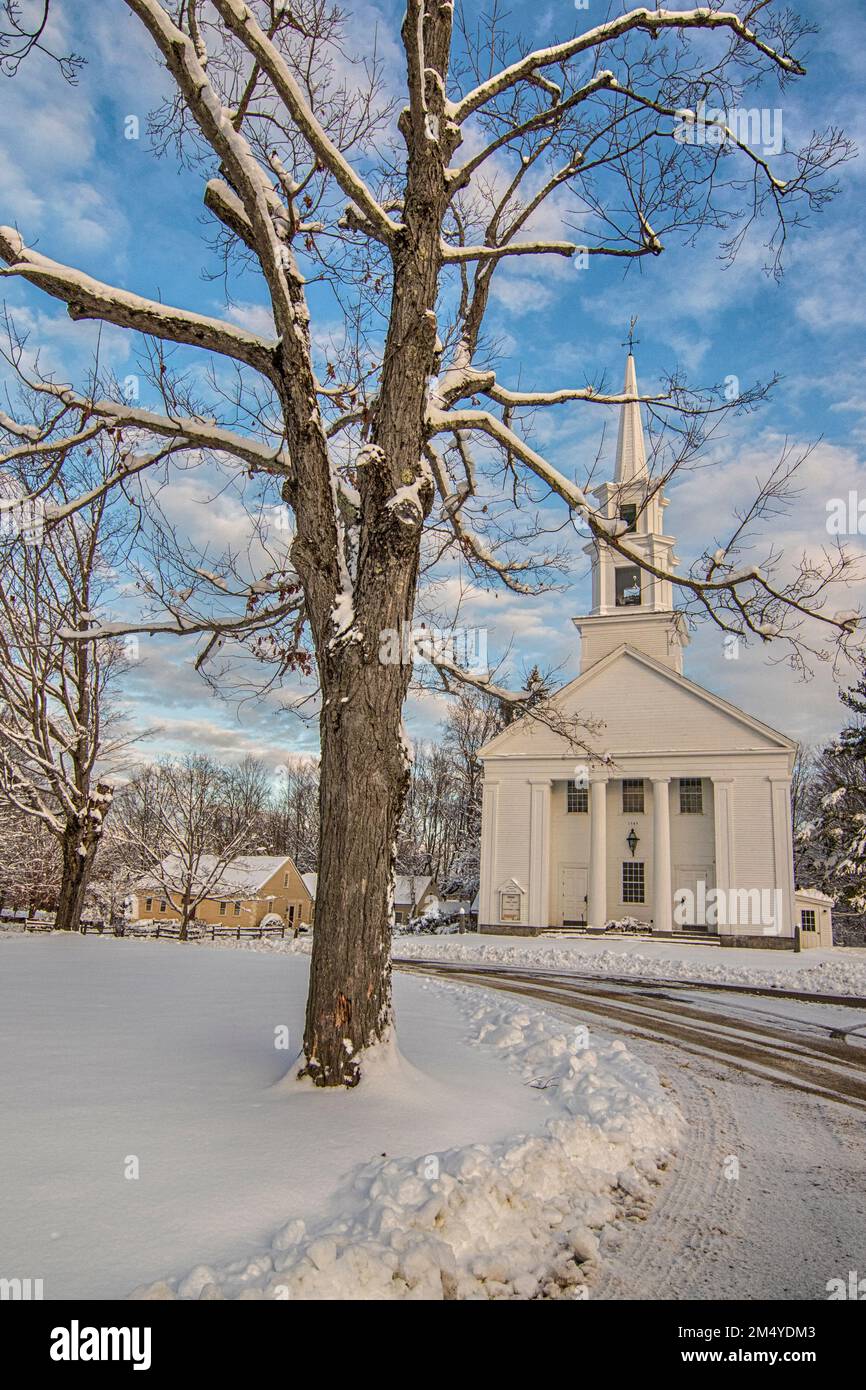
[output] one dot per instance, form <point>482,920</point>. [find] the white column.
<point>662,892</point>
<point>488,909</point>
<point>723,819</point>
<point>597,914</point>
<point>539,851</point>
<point>783,852</point>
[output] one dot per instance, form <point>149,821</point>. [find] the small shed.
<point>813,911</point>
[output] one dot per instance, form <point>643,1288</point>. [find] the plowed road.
<point>775,1079</point>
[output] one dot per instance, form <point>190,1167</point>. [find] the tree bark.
<point>365,762</point>
<point>77,864</point>
<point>364,777</point>
<point>78,851</point>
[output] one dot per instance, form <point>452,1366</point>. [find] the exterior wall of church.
<point>505,845</point>
<point>536,854</point>
<point>692,849</point>
<point>762,851</point>
<point>569,858</point>
<point>656,635</point>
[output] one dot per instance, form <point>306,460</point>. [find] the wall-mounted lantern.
<point>632,841</point>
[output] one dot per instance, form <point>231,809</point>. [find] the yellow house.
<point>243,893</point>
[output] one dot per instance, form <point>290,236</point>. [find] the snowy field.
<point>838,970</point>
<point>152,1142</point>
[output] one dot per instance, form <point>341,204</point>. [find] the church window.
<point>808,921</point>
<point>628,514</point>
<point>627,586</point>
<point>632,881</point>
<point>632,795</point>
<point>577,797</point>
<point>691,795</point>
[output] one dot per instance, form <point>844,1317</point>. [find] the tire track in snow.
<point>675,1251</point>
<point>794,1218</point>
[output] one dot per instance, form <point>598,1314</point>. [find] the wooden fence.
<point>163,930</point>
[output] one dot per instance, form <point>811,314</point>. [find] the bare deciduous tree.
<point>403,428</point>
<point>60,732</point>
<point>291,819</point>
<point>177,826</point>
<point>30,864</point>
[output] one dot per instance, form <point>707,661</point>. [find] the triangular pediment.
<point>511,886</point>
<point>645,708</point>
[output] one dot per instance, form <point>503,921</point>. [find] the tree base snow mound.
<point>513,1220</point>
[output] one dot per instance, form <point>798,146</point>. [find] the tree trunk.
<point>365,763</point>
<point>78,848</point>
<point>364,776</point>
<point>77,863</point>
<point>183,934</point>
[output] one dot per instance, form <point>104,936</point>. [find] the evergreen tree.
<point>831,841</point>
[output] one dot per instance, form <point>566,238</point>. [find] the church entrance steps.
<point>691,938</point>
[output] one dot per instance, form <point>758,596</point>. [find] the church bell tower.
<point>631,604</point>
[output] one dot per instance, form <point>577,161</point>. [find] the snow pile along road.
<point>844,973</point>
<point>514,1219</point>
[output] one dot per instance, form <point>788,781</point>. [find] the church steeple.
<point>630,603</point>
<point>630,446</point>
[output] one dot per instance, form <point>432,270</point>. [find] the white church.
<point>679,817</point>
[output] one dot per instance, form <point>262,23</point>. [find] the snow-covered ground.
<point>150,1136</point>
<point>839,970</point>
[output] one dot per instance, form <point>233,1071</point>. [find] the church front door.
<point>572,893</point>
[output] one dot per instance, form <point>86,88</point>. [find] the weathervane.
<point>631,340</point>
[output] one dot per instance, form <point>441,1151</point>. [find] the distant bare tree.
<point>30,863</point>
<point>178,830</point>
<point>60,731</point>
<point>246,788</point>
<point>291,819</point>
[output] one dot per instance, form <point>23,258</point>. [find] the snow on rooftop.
<point>248,873</point>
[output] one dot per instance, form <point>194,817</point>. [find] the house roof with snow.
<point>410,889</point>
<point>247,874</point>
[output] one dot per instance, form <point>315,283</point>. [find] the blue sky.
<point>85,194</point>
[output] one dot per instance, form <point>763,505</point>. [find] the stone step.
<point>696,938</point>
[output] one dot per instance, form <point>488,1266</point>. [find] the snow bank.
<point>836,972</point>
<point>513,1219</point>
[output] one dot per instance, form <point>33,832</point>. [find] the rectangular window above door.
<point>632,795</point>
